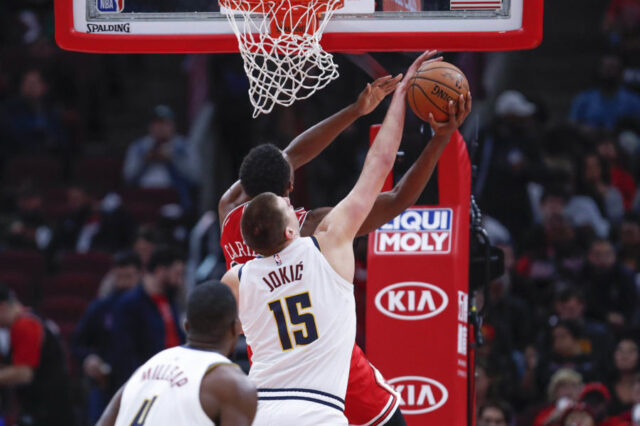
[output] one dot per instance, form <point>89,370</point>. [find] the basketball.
<point>434,85</point>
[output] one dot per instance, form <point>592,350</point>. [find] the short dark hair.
<point>163,256</point>
<point>211,309</point>
<point>127,258</point>
<point>502,406</point>
<point>6,294</point>
<point>147,233</point>
<point>569,293</point>
<point>265,169</point>
<point>262,223</point>
<point>571,326</point>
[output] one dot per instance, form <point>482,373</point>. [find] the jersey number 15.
<point>296,305</point>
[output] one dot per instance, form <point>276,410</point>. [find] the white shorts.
<point>297,413</point>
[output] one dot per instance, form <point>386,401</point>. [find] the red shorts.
<point>369,401</point>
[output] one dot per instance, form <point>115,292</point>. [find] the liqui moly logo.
<point>416,231</point>
<point>419,395</point>
<point>411,300</point>
<point>110,5</point>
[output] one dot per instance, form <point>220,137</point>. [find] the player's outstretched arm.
<point>110,414</point>
<point>337,230</point>
<point>228,397</point>
<point>306,146</point>
<point>406,192</point>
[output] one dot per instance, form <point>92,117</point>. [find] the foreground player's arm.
<point>231,280</point>
<point>406,192</point>
<point>110,414</point>
<point>228,397</point>
<point>338,229</point>
<point>306,146</point>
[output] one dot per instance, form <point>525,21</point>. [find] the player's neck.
<point>205,346</point>
<point>279,248</point>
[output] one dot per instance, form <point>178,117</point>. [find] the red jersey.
<point>235,249</point>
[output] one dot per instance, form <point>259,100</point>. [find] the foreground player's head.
<point>265,169</point>
<point>212,317</point>
<point>269,223</point>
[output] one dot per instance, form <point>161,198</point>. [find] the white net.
<point>279,42</point>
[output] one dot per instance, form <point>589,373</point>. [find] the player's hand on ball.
<point>375,92</point>
<point>457,115</point>
<point>426,57</point>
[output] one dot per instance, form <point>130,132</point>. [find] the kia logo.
<point>419,395</point>
<point>411,301</point>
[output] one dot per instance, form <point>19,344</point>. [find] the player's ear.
<point>289,233</point>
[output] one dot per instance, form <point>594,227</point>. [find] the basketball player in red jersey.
<point>369,400</point>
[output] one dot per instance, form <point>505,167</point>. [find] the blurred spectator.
<point>622,25</point>
<point>578,415</point>
<point>93,343</point>
<point>631,416</point>
<point>563,391</point>
<point>495,413</point>
<point>566,352</point>
<point>618,175</point>
<point>116,226</point>
<point>594,182</point>
<point>162,159</point>
<point>605,105</point>
<point>144,244</point>
<point>629,250</point>
<point>79,225</point>
<point>29,122</point>
<point>27,228</point>
<point>569,305</point>
<point>550,250</point>
<point>597,398</point>
<point>146,318</point>
<point>511,158</point>
<point>625,369</point>
<point>608,285</point>
<point>36,367</point>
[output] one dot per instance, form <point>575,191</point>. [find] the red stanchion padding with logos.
<point>417,292</point>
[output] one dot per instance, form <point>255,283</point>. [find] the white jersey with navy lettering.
<point>298,315</point>
<point>166,389</point>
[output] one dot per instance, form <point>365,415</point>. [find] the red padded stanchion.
<point>417,291</point>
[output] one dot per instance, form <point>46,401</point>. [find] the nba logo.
<point>277,259</point>
<point>110,5</point>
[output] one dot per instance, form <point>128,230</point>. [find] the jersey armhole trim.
<point>240,272</point>
<point>218,364</point>
<point>315,242</point>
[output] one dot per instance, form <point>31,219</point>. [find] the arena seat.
<point>93,262</point>
<point>100,173</point>
<point>40,170</point>
<point>73,284</point>
<point>22,286</point>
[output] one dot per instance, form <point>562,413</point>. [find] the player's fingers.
<point>438,59</point>
<point>432,121</point>
<point>462,109</point>
<point>469,102</point>
<point>380,81</point>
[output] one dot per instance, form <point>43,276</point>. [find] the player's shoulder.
<point>234,215</point>
<point>227,382</point>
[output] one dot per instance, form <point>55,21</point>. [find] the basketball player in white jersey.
<point>296,301</point>
<point>194,384</point>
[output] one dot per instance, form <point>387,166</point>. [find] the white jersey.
<point>166,389</point>
<point>299,319</point>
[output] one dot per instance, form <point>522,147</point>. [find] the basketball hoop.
<point>279,41</point>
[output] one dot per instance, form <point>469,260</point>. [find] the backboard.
<point>197,26</point>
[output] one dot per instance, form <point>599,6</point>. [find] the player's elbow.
<point>23,375</point>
